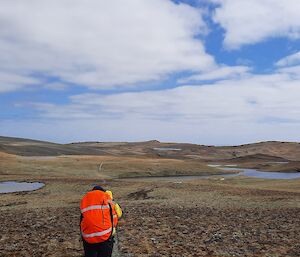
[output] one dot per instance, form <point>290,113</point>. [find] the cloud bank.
<point>75,50</point>
<point>231,111</point>
<point>252,21</point>
<point>101,44</point>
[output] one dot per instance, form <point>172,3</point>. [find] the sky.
<point>215,72</point>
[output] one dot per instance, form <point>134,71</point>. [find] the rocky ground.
<point>40,232</point>
<point>235,217</point>
<point>194,231</point>
<point>216,221</point>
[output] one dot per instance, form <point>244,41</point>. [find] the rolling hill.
<point>263,151</point>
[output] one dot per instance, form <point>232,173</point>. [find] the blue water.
<point>241,172</point>
<point>166,149</point>
<point>13,186</point>
<point>266,175</point>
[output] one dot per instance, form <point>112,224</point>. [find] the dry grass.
<point>111,167</point>
<point>232,217</point>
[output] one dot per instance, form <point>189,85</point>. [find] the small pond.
<point>166,149</point>
<point>14,186</point>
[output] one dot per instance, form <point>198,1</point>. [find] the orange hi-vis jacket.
<point>97,224</point>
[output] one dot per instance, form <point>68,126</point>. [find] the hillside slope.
<point>263,151</point>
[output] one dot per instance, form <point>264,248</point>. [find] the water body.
<point>240,172</point>
<point>166,149</point>
<point>13,186</point>
<point>39,158</point>
<point>264,174</point>
<point>279,162</point>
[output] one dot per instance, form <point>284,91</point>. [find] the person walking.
<point>98,222</point>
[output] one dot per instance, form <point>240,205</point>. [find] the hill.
<point>272,151</point>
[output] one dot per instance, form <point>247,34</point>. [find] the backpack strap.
<point>112,220</point>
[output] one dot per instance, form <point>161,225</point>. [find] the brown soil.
<point>232,217</point>
<point>195,231</point>
<point>196,218</point>
<point>190,228</point>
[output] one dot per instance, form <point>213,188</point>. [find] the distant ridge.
<point>270,150</point>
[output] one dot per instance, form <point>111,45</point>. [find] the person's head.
<point>97,187</point>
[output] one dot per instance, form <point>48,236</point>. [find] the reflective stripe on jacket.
<point>96,225</point>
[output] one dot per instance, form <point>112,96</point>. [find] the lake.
<point>14,186</point>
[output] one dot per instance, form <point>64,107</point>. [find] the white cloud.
<point>57,86</point>
<point>105,44</point>
<point>251,21</point>
<point>219,73</point>
<point>11,82</point>
<point>238,110</point>
<point>241,99</point>
<point>289,60</point>
<point>220,132</point>
<point>101,43</point>
<point>293,72</point>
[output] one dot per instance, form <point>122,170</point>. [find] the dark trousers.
<point>103,249</point>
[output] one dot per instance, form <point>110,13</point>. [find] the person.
<point>98,222</point>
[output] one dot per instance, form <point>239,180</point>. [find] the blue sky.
<point>217,72</point>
